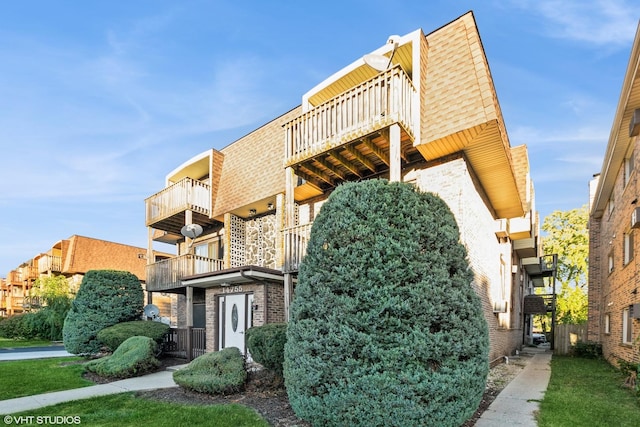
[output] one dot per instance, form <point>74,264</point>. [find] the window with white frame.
<point>627,326</point>
<point>610,261</point>
<point>628,248</point>
<point>628,168</point>
<point>607,323</point>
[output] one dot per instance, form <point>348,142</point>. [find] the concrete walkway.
<point>518,403</point>
<point>153,381</point>
<point>20,353</point>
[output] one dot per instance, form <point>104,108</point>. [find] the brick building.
<point>420,109</point>
<point>614,302</point>
<point>72,258</point>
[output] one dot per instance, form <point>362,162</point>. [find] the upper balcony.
<point>346,137</point>
<point>540,267</point>
<point>167,275</point>
<point>14,277</point>
<point>165,209</point>
<point>30,272</point>
<point>49,263</point>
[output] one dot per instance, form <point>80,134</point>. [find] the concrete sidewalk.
<point>18,355</point>
<point>518,402</point>
<point>153,381</point>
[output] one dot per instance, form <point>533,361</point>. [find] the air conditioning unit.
<point>634,311</point>
<point>635,218</point>
<point>502,227</point>
<point>634,124</point>
<point>500,306</point>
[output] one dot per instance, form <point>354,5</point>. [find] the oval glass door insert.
<point>234,317</point>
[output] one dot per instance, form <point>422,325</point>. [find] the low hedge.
<point>587,350</point>
<point>134,357</point>
<point>115,335</point>
<point>220,372</point>
<point>266,345</point>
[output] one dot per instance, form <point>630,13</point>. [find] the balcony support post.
<point>188,219</point>
<point>189,292</point>
<point>288,294</point>
<point>289,221</point>
<point>395,164</point>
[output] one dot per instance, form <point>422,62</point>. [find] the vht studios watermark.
<point>41,419</point>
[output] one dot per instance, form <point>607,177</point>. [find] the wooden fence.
<point>567,336</point>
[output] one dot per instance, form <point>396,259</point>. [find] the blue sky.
<point>99,100</point>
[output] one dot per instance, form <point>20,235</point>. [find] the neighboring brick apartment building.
<point>72,258</point>
<point>429,115</point>
<point>614,279</point>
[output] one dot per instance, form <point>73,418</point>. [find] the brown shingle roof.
<point>82,254</point>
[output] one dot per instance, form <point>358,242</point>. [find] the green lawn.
<point>27,377</point>
<point>10,343</point>
<point>125,409</point>
<point>586,392</point>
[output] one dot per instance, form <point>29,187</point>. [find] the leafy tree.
<point>385,326</point>
<point>50,288</point>
<point>105,297</point>
<point>567,236</point>
<point>46,321</point>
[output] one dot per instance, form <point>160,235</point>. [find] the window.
<point>610,263</point>
<point>610,204</point>
<point>627,326</point>
<point>607,323</point>
<point>628,248</point>
<point>628,168</point>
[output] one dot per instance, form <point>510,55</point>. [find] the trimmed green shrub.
<point>587,350</point>
<point>115,335</point>
<point>134,357</point>
<point>266,345</point>
<point>385,326</point>
<point>105,297</point>
<point>219,372</point>
<point>14,327</point>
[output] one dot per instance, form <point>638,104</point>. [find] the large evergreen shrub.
<point>266,345</point>
<point>115,335</point>
<point>386,329</point>
<point>105,297</point>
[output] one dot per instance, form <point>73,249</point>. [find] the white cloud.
<point>588,134</point>
<point>601,22</point>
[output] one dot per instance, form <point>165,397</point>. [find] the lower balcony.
<point>167,275</point>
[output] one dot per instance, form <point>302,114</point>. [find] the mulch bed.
<point>265,393</point>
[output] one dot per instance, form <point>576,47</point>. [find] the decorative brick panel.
<point>237,241</point>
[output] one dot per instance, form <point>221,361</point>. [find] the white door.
<point>235,319</point>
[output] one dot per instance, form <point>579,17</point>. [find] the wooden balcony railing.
<point>168,273</point>
<point>186,194</point>
<point>50,263</point>
<point>373,105</point>
<point>295,246</point>
<point>14,278</point>
<point>179,343</point>
<point>30,272</point>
